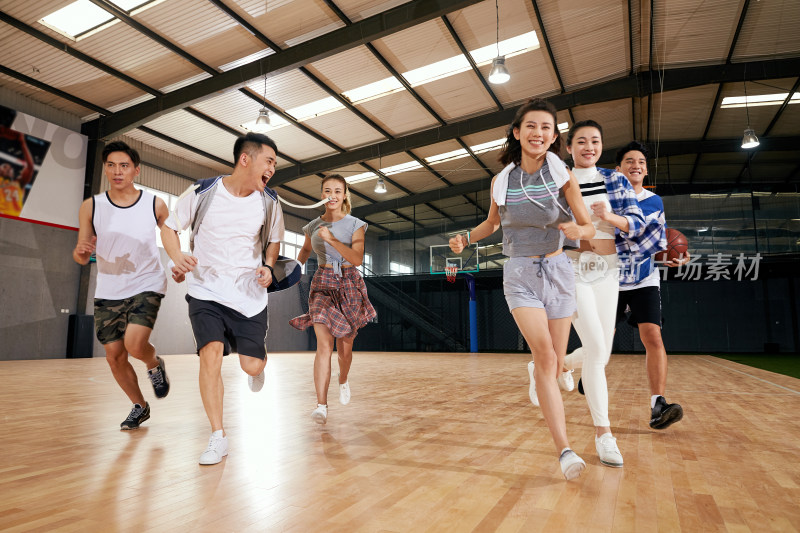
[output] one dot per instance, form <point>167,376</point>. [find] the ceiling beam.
<point>471,61</point>
<point>626,87</point>
<point>359,33</point>
<point>546,43</point>
<point>52,90</point>
<point>728,61</point>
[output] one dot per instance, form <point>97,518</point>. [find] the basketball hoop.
<point>451,271</point>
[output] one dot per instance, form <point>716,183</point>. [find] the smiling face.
<point>536,133</point>
<point>335,190</point>
<point>260,165</point>
<point>120,170</point>
<point>634,166</point>
<point>586,147</point>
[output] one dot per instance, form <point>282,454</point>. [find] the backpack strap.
<point>205,192</point>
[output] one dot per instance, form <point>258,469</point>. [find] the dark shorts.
<point>212,321</point>
<point>111,317</point>
<point>644,305</point>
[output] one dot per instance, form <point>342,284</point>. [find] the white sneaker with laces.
<point>344,393</point>
<point>255,382</point>
<point>320,414</point>
<point>565,381</point>
<point>571,464</point>
<point>217,449</point>
<point>607,450</point>
<point>532,389</point>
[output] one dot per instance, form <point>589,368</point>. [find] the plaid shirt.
<point>636,252</point>
<point>623,202</point>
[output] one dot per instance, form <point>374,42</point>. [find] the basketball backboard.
<point>442,256</point>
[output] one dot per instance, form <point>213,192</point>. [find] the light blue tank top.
<point>343,231</point>
<point>535,206</point>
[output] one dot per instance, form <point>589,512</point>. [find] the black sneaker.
<point>580,386</point>
<point>137,415</point>
<point>158,377</point>
<point>665,414</point>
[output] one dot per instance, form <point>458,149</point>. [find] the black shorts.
<point>212,321</point>
<point>644,305</point>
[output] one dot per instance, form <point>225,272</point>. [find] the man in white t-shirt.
<point>237,228</point>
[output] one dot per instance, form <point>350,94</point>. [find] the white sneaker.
<point>565,381</point>
<point>320,414</point>
<point>607,450</point>
<point>571,464</point>
<point>344,393</point>
<point>217,449</point>
<point>532,389</point>
<point>255,382</point>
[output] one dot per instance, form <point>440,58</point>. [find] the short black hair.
<point>633,146</point>
<point>250,144</point>
<point>119,146</point>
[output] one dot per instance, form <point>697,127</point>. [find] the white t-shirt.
<point>227,249</point>
<point>593,189</point>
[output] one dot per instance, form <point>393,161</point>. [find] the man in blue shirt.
<point>640,291</point>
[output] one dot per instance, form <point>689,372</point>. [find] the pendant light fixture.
<point>499,73</point>
<point>263,121</point>
<point>380,186</point>
<point>749,140</point>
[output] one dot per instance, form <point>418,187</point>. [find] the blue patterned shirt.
<point>636,253</point>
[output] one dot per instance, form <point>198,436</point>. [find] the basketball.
<point>677,246</point>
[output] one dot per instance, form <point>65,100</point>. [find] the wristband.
<point>271,270</point>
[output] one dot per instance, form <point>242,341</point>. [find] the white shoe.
<point>571,464</point>
<point>320,414</point>
<point>565,381</point>
<point>255,382</point>
<point>607,450</point>
<point>532,389</point>
<point>217,449</point>
<point>344,393</point>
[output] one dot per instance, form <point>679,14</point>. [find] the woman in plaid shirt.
<point>338,305</point>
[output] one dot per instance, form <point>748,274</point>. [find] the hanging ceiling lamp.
<point>499,73</point>
<point>380,186</point>
<point>263,122</point>
<point>749,140</point>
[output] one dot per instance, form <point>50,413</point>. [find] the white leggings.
<point>596,292</point>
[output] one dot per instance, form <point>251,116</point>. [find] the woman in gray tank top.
<point>531,199</point>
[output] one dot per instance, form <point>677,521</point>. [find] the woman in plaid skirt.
<point>338,305</point>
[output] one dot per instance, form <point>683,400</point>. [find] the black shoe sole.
<point>128,428</point>
<point>672,414</point>
<point>580,386</point>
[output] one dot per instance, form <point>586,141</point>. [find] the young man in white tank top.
<point>119,226</point>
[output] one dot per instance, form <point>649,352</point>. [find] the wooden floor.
<point>430,442</point>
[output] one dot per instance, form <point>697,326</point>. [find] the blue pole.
<point>473,315</point>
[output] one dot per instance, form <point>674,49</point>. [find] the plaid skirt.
<point>341,303</point>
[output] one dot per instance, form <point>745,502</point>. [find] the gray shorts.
<point>544,283</point>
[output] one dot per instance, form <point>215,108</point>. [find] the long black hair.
<point>512,150</point>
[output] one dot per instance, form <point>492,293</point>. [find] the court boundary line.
<point>749,375</point>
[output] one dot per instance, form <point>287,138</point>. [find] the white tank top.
<point>128,260</point>
<point>593,189</point>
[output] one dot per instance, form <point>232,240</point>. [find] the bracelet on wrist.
<point>468,240</point>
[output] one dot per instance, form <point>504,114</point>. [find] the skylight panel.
<point>563,126</point>
<point>508,48</point>
<point>357,178</point>
<point>435,71</point>
<point>758,100</point>
<point>402,167</point>
<point>488,147</point>
<point>447,156</point>
<point>315,109</point>
<point>383,87</point>
<point>78,18</point>
<point>275,123</point>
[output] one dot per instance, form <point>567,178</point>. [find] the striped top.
<point>593,189</point>
<point>535,206</point>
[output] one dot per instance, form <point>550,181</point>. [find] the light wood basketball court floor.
<point>430,442</point>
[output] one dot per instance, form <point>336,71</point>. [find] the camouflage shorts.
<point>111,317</point>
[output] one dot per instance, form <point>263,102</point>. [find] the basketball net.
<point>451,271</point>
